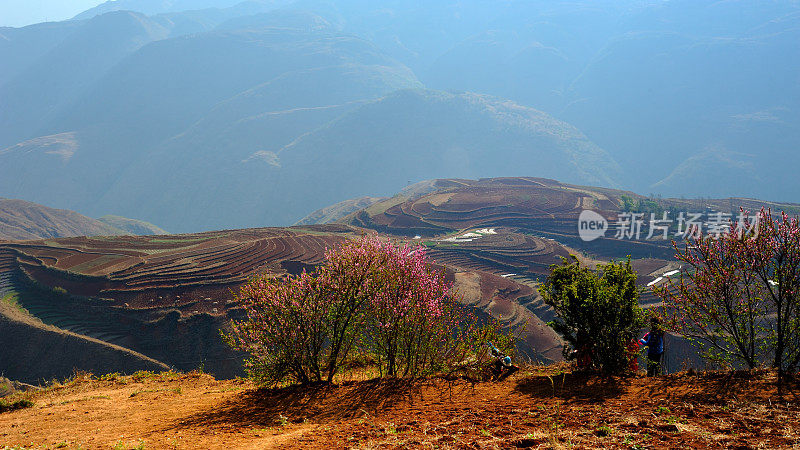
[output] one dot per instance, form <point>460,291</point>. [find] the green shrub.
<point>598,314</point>
<point>12,406</point>
<point>60,290</point>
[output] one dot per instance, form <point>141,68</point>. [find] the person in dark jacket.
<point>654,341</point>
<point>502,367</point>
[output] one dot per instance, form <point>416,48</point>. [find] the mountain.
<point>652,82</point>
<point>132,226</point>
<point>334,213</point>
<point>153,7</point>
<point>736,174</point>
<point>20,47</point>
<point>273,109</point>
<point>755,110</point>
<point>257,113</point>
<point>250,88</point>
<point>21,220</point>
<point>38,93</point>
<point>372,148</point>
<point>412,134</point>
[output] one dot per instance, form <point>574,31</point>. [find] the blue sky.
<point>18,13</point>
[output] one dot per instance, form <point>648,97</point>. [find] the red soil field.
<point>460,204</point>
<point>133,270</point>
<point>199,274</point>
<point>539,407</point>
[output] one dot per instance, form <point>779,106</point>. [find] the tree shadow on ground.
<point>575,386</point>
<point>720,387</point>
<point>296,404</point>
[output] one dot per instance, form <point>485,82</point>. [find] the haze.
<point>212,114</point>
<point>18,13</point>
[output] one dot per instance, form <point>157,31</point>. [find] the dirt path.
<point>533,410</point>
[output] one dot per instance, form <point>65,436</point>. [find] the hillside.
<point>162,296</point>
<point>539,206</point>
<point>21,220</point>
<point>516,227</point>
<point>132,226</point>
<point>57,351</point>
<point>176,118</point>
<point>179,107</point>
<point>541,407</point>
<point>338,211</point>
<point>167,297</point>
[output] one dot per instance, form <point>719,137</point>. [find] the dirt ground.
<point>535,408</point>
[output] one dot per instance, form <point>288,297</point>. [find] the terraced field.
<point>516,228</point>
<point>129,270</point>
<point>167,297</point>
<point>534,221</point>
<point>537,207</point>
<point>505,253</point>
<point>458,204</point>
<point>163,296</point>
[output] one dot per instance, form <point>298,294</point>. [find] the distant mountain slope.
<point>22,220</point>
<point>20,47</point>
<point>372,148</point>
<point>413,134</point>
<point>736,93</point>
<point>132,226</point>
<point>338,211</point>
<point>37,94</point>
<point>738,174</point>
<point>151,7</point>
<point>197,107</point>
<point>652,82</point>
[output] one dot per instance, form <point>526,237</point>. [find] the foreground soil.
<point>537,408</point>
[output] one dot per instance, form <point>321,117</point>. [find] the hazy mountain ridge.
<point>21,220</point>
<point>189,106</point>
<point>40,92</point>
<point>153,112</point>
<point>132,226</point>
<point>20,47</point>
<point>654,83</point>
<point>334,213</point>
<point>466,134</point>
<point>375,148</point>
<point>152,7</point>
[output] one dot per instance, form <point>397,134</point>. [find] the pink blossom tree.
<point>285,330</point>
<point>774,258</point>
<point>737,295</point>
<point>370,297</point>
<point>414,325</point>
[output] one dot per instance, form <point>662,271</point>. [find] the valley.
<point>167,296</point>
